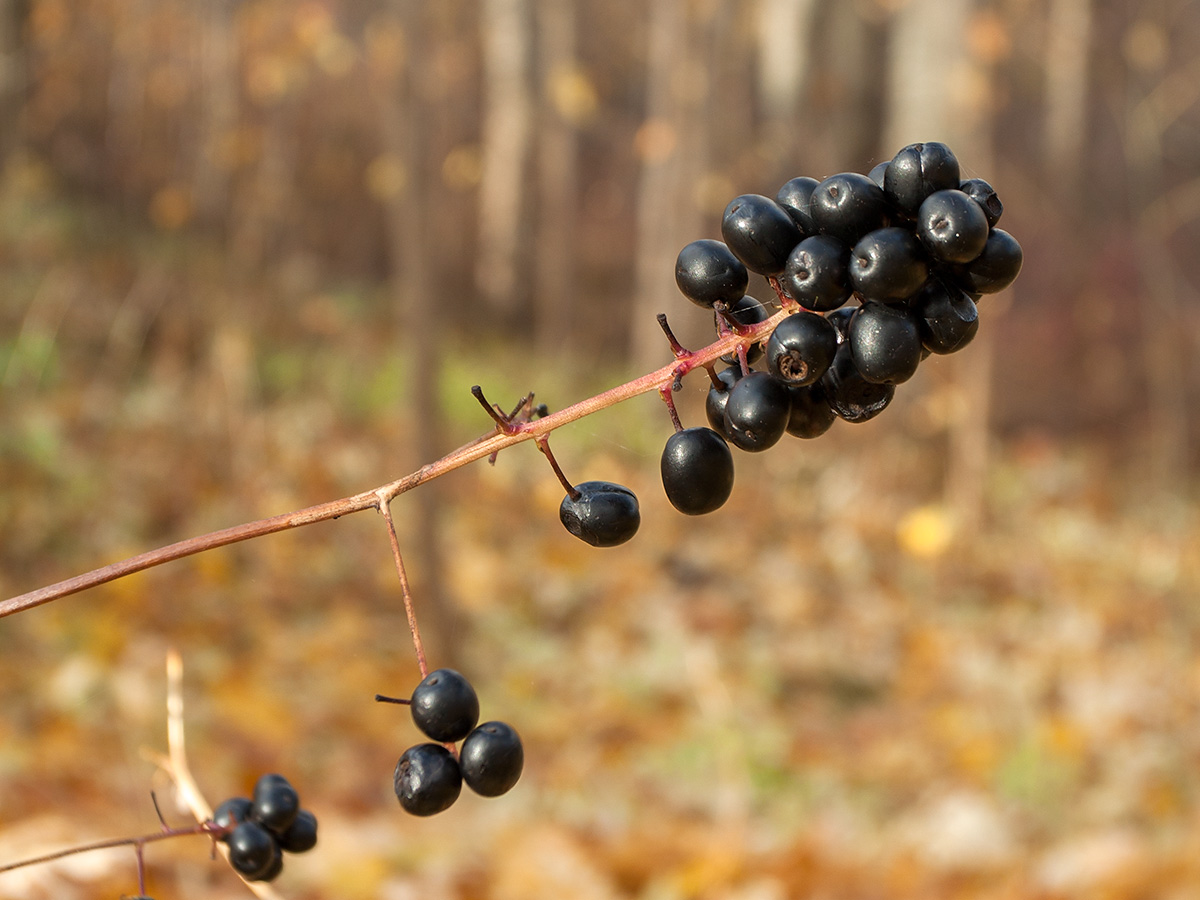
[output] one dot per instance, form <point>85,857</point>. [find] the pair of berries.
<point>263,827</point>
<point>429,776</point>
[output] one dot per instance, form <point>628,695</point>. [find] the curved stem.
<point>480,448</point>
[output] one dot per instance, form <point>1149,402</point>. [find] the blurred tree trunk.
<point>940,91</point>
<point>672,147</point>
<point>401,98</point>
<point>217,118</point>
<point>1068,35</point>
<point>782,33</point>
<point>14,75</point>
<point>557,175</point>
<point>507,124</point>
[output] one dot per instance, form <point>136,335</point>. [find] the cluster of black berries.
<point>911,242</point>
<point>429,776</point>
<point>265,826</point>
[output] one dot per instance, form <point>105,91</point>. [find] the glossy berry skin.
<point>852,397</point>
<point>252,850</point>
<point>879,172</point>
<point>301,835</point>
<point>847,206</point>
<point>492,758</point>
<point>274,803</point>
<point>888,264</point>
<point>714,403</point>
<point>271,872</point>
<point>952,227</point>
<point>840,320</point>
<point>756,414</point>
<point>811,415</point>
<point>603,515</point>
<point>759,232</point>
<point>885,343</point>
<point>707,272</point>
<point>801,348</point>
<point>916,171</point>
<point>231,812</point>
<point>985,195</point>
<point>995,268</point>
<point>946,317</point>
<point>427,779</point>
<point>794,197</point>
<point>817,273</point>
<point>697,471</point>
<point>444,706</point>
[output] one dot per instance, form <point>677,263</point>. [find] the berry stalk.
<point>480,448</point>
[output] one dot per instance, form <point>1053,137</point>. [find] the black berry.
<point>801,348</point>
<point>744,313</point>
<point>985,195</point>
<point>714,403</point>
<point>697,470</point>
<point>252,850</point>
<point>946,317</point>
<point>427,779</point>
<point>995,268</point>
<point>603,515</point>
<point>885,342</point>
<point>811,415</point>
<point>707,272</point>
<point>301,835</point>
<point>756,414</point>
<point>848,205</point>
<point>852,397</point>
<point>275,803</point>
<point>817,273</point>
<point>888,264</point>
<point>492,758</point>
<point>952,226</point>
<point>231,812</point>
<point>918,170</point>
<point>794,197</point>
<point>444,706</point>
<point>759,232</point>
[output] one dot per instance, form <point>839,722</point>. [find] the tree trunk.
<point>14,75</point>
<point>1066,63</point>
<point>557,177</point>
<point>507,125</point>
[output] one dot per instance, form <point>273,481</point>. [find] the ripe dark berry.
<point>851,396</point>
<point>995,268</point>
<point>707,272</point>
<point>427,779</point>
<point>252,850</point>
<point>491,759</point>
<point>885,342</point>
<point>759,232</point>
<point>985,195</point>
<point>444,706</point>
<point>801,348</point>
<point>817,273</point>
<point>794,197</point>
<point>952,226</point>
<point>811,415</point>
<point>231,812</point>
<point>840,320</point>
<point>271,872</point>
<point>301,835</point>
<point>603,515</point>
<point>275,803</point>
<point>888,264</point>
<point>918,170</point>
<point>848,205</point>
<point>714,403</point>
<point>946,317</point>
<point>697,470</point>
<point>756,414</point>
<point>879,172</point>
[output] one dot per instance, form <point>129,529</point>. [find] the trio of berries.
<point>429,776</point>
<point>912,242</point>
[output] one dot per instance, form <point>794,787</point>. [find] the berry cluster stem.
<point>480,448</point>
<point>405,590</point>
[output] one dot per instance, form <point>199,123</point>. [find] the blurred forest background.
<point>255,252</point>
